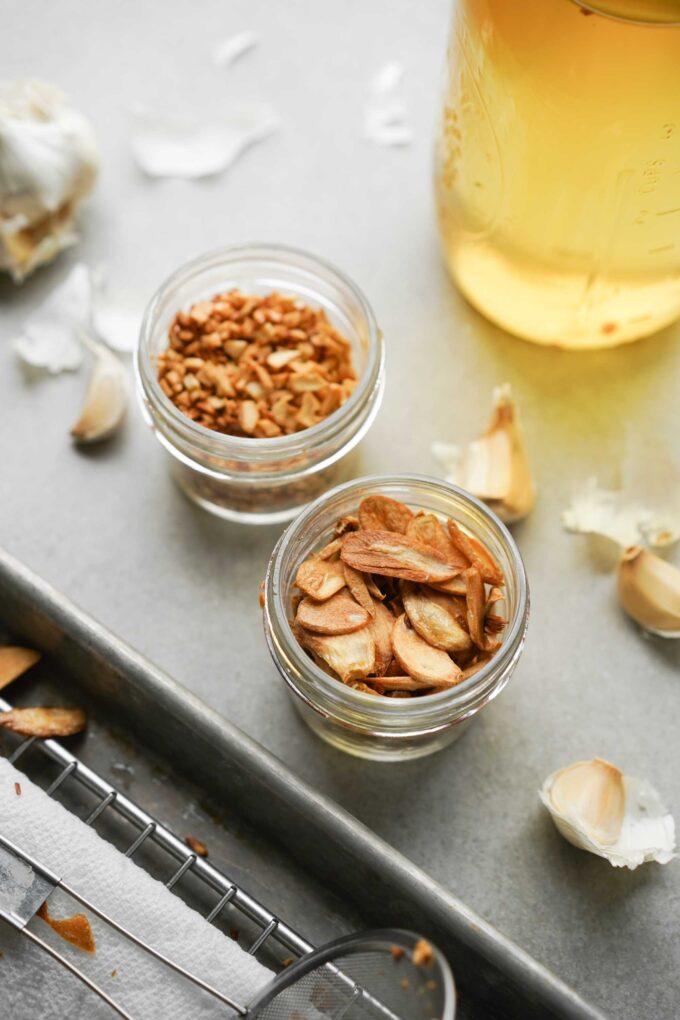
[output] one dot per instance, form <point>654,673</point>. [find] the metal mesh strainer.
<point>369,976</point>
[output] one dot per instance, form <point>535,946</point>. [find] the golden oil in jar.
<point>558,166</point>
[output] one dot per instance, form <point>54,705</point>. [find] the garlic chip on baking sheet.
<point>598,808</point>
<point>495,467</point>
<point>167,146</point>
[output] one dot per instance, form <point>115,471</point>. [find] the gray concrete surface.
<point>109,528</point>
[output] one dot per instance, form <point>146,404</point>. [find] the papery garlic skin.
<point>168,146</point>
<point>598,808</point>
<point>49,160</point>
<point>495,467</point>
<point>106,399</point>
<point>50,338</point>
<point>649,591</point>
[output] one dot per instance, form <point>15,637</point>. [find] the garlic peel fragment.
<point>495,467</point>
<point>385,116</point>
<point>50,337</point>
<point>598,808</point>
<point>106,398</point>
<point>649,591</point>
<point>48,163</point>
<point>621,518</point>
<point>165,146</point>
<point>228,50</point>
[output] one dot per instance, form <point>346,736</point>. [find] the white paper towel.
<point>35,987</point>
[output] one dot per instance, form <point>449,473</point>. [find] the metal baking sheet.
<point>324,870</point>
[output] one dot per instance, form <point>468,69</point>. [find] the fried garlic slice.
<point>393,555</point>
<point>381,513</point>
<point>339,614</point>
<point>433,616</point>
<point>400,683</point>
<point>420,660</point>
<point>381,626</point>
<point>359,685</point>
<point>354,580</point>
<point>457,586</point>
<point>477,554</point>
<point>320,578</point>
<point>330,551</point>
<point>476,604</point>
<point>44,722</point>
<point>429,530</point>
<point>351,656</point>
<point>14,661</point>
<point>347,523</point>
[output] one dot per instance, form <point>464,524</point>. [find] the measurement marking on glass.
<point>665,247</point>
<point>667,212</point>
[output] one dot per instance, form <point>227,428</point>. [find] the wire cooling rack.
<point>224,894</point>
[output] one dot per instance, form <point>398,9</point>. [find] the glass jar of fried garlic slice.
<point>395,610</point>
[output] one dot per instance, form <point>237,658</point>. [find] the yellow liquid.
<point>558,167</point>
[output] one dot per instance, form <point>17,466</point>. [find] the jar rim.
<point>262,449</point>
<point>485,684</point>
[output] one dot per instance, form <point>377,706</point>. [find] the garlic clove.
<point>48,163</point>
<point>106,399</point>
<point>649,590</point>
<point>495,467</point>
<point>598,808</point>
<point>593,792</point>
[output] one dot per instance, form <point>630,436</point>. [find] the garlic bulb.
<point>48,164</point>
<point>106,398</point>
<point>598,808</point>
<point>495,467</point>
<point>649,590</point>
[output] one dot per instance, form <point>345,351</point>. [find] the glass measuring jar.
<point>366,726</point>
<point>557,170</point>
<point>262,481</point>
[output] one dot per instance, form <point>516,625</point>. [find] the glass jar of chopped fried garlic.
<point>395,610</point>
<point>260,369</point>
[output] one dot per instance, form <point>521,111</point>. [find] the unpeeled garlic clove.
<point>495,467</point>
<point>649,590</point>
<point>598,808</point>
<point>106,399</point>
